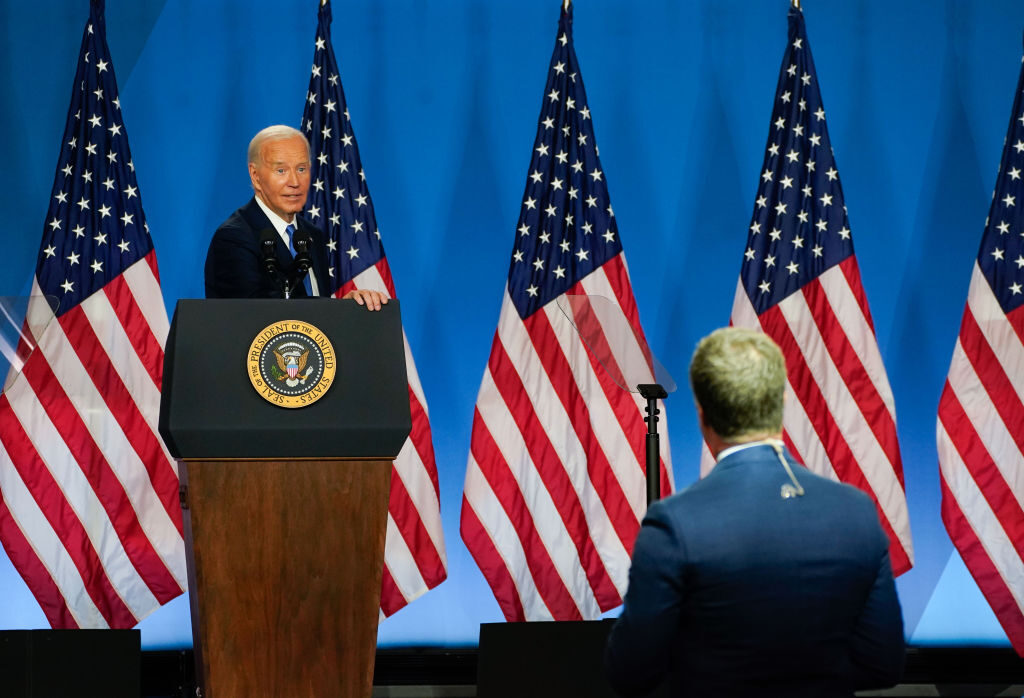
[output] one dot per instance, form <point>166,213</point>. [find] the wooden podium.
<point>285,509</point>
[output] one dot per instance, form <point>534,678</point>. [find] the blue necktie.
<point>291,248</point>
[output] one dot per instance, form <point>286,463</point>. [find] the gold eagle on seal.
<point>290,365</point>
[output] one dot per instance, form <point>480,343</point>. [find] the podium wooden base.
<point>285,562</point>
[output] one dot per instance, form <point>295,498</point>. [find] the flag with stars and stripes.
<point>555,487</point>
<point>980,430</point>
<point>801,285</point>
<point>89,513</point>
<point>339,202</point>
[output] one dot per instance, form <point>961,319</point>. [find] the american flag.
<point>980,428</point>
<point>90,514</point>
<point>801,285</point>
<point>339,202</point>
<point>555,487</point>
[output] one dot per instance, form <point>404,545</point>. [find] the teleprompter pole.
<point>653,392</point>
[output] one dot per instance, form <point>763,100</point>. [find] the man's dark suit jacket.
<point>234,265</point>
<point>734,590</point>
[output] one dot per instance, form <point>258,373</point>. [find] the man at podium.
<point>263,248</point>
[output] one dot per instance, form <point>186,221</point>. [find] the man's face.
<point>281,179</point>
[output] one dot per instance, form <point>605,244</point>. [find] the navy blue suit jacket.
<point>734,590</point>
<point>234,265</point>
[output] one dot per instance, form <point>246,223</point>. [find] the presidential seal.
<point>291,363</point>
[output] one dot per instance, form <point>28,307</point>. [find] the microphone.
<point>268,252</point>
<point>302,241</point>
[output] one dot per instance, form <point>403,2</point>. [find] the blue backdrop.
<point>444,97</point>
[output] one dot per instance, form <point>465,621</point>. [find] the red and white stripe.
<point>555,486</point>
<point>839,419</point>
<point>981,452</point>
<point>415,560</point>
<point>90,515</point>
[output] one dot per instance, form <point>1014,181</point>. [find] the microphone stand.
<point>653,392</point>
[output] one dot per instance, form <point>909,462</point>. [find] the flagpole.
<point>794,3</point>
<point>565,4</point>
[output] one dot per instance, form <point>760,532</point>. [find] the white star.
<point>530,203</point>
<point>97,266</point>
<point>73,258</point>
<point>582,254</point>
<point>329,105</point>
<point>767,175</point>
<point>556,183</point>
<point>335,220</point>
<point>791,70</point>
<point>532,290</point>
<point>773,149</point>
<point>815,139</point>
<point>62,197</point>
<point>1009,200</point>
<point>798,242</point>
<point>536,176</point>
<point>816,250</point>
<point>608,236</point>
<point>108,183</point>
<point>844,233</point>
<point>352,252</point>
<point>68,286</point>
<point>577,166</point>
<point>73,143</point>
<point>548,122</point>
<point>786,96</point>
<point>786,182</point>
<point>562,157</point>
<point>559,67</point>
<point>538,264</point>
<point>822,225</point>
<point>780,123</point>
<point>780,208</point>
<point>553,95</point>
<point>793,156</point>
<point>820,114</point>
<point>826,200</point>
<point>762,202</point>
<point>551,210</point>
<point>581,139</point>
<point>320,43</point>
<point>1014,173</point>
<point>325,132</point>
<point>524,230</point>
<point>749,254</point>
<point>775,234</point>
<point>343,166</point>
<point>339,193</point>
<point>591,201</point>
<point>585,112</point>
<point>563,40</point>
<point>755,228</point>
<point>1019,261</point>
<point>346,140</point>
<point>559,271</point>
<point>564,244</point>
<point>1015,288</point>
<point>101,65</point>
<point>126,219</point>
<point>91,149</point>
<point>1019,146</point>
<point>793,268</point>
<point>111,157</point>
<point>807,190</point>
<point>123,245</point>
<point>573,191</point>
<point>100,238</point>
<point>545,237</point>
<point>311,98</point>
<point>610,211</point>
<point>361,200</point>
<point>67,170</point>
<point>542,149</point>
<point>831,174</point>
<point>55,224</point>
<point>765,286</point>
<point>357,227</point>
<point>83,203</point>
<point>322,158</point>
<point>769,261</point>
<point>319,185</point>
<point>810,165</point>
<point>802,216</point>
<point>130,191</point>
<point>997,254</point>
<point>798,42</point>
<point>570,103</point>
<point>517,256</point>
<point>798,130</point>
<point>805,79</point>
<point>79,231</point>
<point>99,93</point>
<point>95,120</point>
<point>117,102</point>
<point>50,251</point>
